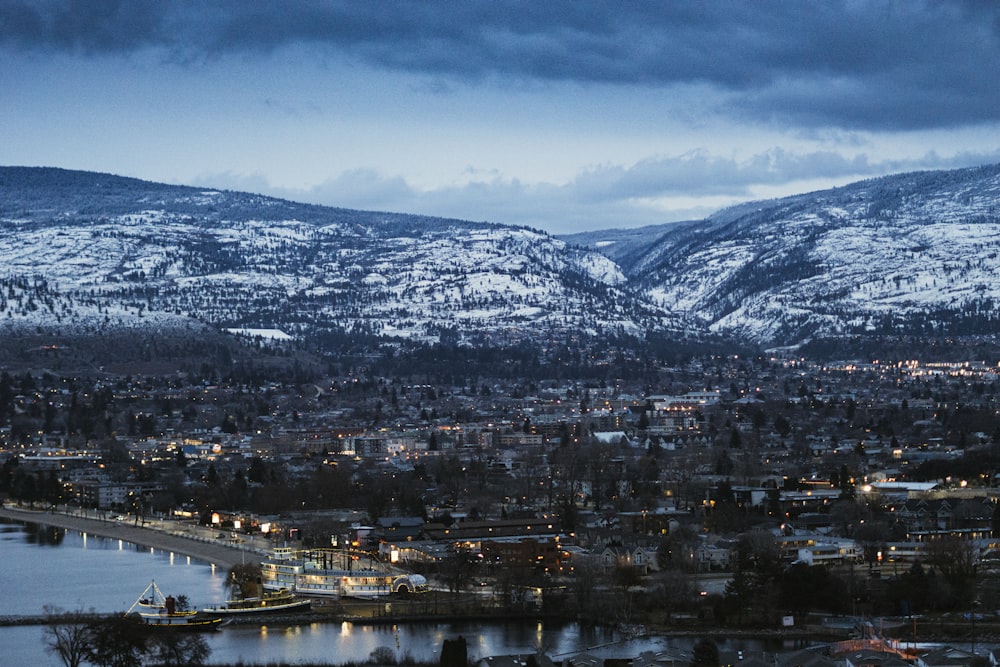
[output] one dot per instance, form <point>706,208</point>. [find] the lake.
<point>44,567</point>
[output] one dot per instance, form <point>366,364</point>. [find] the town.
<point>726,491</point>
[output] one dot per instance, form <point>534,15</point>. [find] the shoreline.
<point>177,537</point>
<point>219,553</point>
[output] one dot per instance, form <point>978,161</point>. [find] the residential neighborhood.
<point>728,493</point>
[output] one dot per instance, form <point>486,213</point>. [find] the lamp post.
<point>975,606</point>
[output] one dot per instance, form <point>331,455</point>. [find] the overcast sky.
<point>564,116</point>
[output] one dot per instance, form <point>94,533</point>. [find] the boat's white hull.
<point>321,573</point>
<point>283,608</point>
<point>188,621</point>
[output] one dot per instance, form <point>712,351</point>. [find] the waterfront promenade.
<point>200,542</point>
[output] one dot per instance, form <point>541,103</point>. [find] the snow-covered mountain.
<point>911,254</point>
<point>85,250</point>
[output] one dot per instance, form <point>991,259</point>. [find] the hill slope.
<point>914,254</point>
<point>910,254</point>
<point>94,250</point>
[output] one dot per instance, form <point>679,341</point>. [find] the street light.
<point>975,606</point>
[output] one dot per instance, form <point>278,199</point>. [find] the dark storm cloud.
<point>81,26</point>
<point>872,65</point>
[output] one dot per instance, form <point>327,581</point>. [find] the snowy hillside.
<point>911,254</point>
<point>100,250</point>
<point>915,254</point>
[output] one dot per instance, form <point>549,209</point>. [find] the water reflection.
<point>347,642</point>
<point>339,643</point>
<point>70,570</point>
<point>350,642</point>
<point>44,535</point>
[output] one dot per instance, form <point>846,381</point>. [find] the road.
<point>713,583</point>
<point>198,542</point>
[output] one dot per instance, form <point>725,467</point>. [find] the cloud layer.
<point>558,115</point>
<point>689,186</point>
<point>850,64</point>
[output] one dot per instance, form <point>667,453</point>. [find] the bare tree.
<point>67,635</point>
<point>955,558</point>
<point>583,589</point>
<point>457,569</point>
<point>676,551</point>
<point>627,578</point>
<point>673,591</point>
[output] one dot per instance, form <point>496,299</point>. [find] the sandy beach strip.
<point>220,552</point>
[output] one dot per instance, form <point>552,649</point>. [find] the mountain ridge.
<point>117,249</point>
<point>905,254</point>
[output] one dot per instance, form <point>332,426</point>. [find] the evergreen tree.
<point>454,653</point>
<point>735,441</point>
<point>705,653</point>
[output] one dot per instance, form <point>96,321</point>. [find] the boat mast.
<point>151,588</point>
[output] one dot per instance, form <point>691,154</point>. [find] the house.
<point>668,657</point>
<point>946,656</point>
<point>712,557</point>
<point>831,551</point>
<point>584,660</point>
<point>614,556</point>
<point>872,658</point>
<point>810,657</point>
<point>473,532</point>
<point>611,437</point>
<point>641,557</point>
<point>418,551</point>
<point>905,552</point>
<point>540,551</point>
<point>399,528</point>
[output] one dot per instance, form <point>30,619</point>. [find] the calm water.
<point>50,567</point>
<point>45,567</point>
<point>342,643</point>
